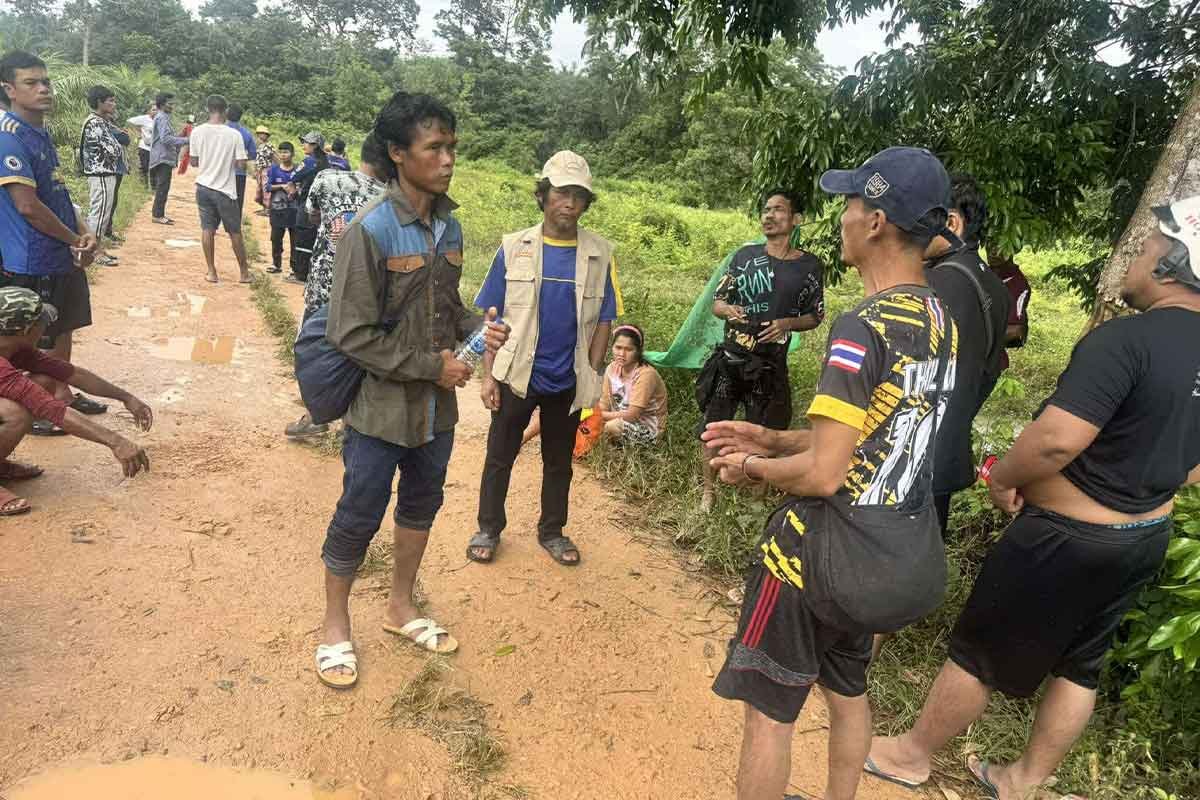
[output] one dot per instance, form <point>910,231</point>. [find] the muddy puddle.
<point>221,350</point>
<point>168,779</point>
<point>185,304</point>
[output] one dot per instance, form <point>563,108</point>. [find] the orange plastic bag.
<point>591,425</point>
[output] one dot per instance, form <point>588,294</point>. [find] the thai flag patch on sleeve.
<point>847,355</point>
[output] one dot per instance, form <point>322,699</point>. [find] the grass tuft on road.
<point>452,717</point>
<point>275,312</point>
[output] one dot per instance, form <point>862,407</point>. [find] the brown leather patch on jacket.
<point>405,263</point>
<point>454,257</point>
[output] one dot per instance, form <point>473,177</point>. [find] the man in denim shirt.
<point>395,310</point>
<point>164,155</point>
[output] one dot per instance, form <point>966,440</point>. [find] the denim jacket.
<point>394,307</point>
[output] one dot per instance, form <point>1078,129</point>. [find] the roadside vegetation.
<point>1144,741</point>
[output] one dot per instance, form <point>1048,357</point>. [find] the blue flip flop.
<point>871,768</point>
<point>990,790</point>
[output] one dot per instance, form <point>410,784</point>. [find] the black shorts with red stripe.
<point>781,649</point>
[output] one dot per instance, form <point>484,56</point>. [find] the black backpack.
<point>985,300</point>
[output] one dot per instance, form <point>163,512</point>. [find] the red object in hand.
<point>985,469</point>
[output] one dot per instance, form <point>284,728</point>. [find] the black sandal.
<point>558,547</point>
<point>86,405</point>
<point>484,541</point>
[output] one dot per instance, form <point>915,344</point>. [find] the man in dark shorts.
<point>768,291</point>
<point>44,242</point>
<point>1093,481</point>
<point>1019,291</point>
<point>979,304</point>
<point>33,385</point>
<point>867,455</point>
<point>218,151</point>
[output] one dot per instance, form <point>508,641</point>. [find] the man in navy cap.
<point>862,472</point>
<point>1092,481</point>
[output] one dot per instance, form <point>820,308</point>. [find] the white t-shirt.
<point>146,123</point>
<point>216,147</point>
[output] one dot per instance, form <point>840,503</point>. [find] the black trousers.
<point>108,231</point>
<point>559,425</point>
<point>303,240</point>
<point>144,164</point>
<point>240,181</point>
<point>160,179</point>
<point>277,246</point>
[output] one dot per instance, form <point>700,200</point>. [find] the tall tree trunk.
<point>87,41</point>
<point>1176,175</point>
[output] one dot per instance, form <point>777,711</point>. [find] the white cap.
<point>565,168</point>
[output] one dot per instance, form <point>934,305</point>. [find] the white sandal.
<point>424,633</point>
<point>337,655</point>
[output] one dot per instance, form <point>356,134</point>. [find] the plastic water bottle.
<point>471,351</point>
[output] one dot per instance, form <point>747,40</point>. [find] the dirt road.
<point>177,613</point>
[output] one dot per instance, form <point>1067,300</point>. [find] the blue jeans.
<point>367,489</point>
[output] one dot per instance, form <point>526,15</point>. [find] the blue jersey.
<point>248,140</point>
<point>28,158</point>
<point>558,327</point>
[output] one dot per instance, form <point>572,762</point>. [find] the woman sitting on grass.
<point>633,403</point>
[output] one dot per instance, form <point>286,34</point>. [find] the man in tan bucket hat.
<point>555,285</point>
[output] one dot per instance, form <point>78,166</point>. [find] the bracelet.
<point>746,461</point>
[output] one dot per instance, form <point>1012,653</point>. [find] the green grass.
<point>665,254</point>
<point>281,322</point>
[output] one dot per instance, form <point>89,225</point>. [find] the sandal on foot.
<point>16,471</point>
<point>871,768</point>
<point>483,541</point>
<point>979,770</point>
<point>558,547</point>
<point>424,633</point>
<point>337,655</point>
<point>86,405</point>
<point>44,427</point>
<point>11,505</point>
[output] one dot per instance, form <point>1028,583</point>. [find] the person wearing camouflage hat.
<point>29,383</point>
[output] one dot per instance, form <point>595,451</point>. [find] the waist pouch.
<point>734,367</point>
<point>864,568</point>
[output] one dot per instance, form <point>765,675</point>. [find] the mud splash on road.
<point>176,778</point>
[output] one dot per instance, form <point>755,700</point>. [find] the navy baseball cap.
<point>906,183</point>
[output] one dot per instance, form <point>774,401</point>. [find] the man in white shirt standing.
<point>145,125</point>
<point>218,152</point>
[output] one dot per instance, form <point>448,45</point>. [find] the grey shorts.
<point>217,208</point>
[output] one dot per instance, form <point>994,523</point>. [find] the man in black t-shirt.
<point>1092,481</point>
<point>978,354</point>
<point>769,291</point>
<point>866,457</point>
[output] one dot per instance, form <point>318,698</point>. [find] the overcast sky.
<point>841,48</point>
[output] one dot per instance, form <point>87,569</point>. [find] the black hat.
<point>906,183</point>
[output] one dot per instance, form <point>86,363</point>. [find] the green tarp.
<point>701,331</point>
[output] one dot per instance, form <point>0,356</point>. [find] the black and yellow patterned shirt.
<point>880,377</point>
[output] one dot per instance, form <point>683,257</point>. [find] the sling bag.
<point>871,568</point>
<point>329,379</point>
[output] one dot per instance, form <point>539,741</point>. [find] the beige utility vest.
<point>523,288</point>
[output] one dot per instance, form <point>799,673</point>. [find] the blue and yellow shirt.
<point>28,157</point>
